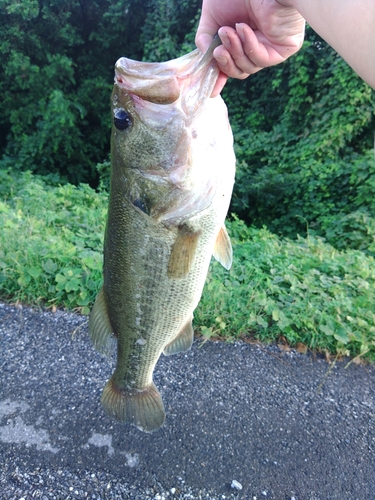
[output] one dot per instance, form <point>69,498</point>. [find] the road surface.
<point>281,425</point>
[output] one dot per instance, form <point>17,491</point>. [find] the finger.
<point>220,82</point>
<point>264,52</point>
<point>228,65</point>
<point>257,47</point>
<point>238,64</point>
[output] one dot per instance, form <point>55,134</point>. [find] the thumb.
<point>203,40</point>
<point>206,31</point>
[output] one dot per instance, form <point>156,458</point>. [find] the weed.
<point>304,291</point>
<point>51,241</point>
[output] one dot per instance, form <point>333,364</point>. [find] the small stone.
<point>173,491</point>
<point>236,485</point>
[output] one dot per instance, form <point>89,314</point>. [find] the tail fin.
<point>144,409</point>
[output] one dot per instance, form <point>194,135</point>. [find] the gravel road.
<point>243,421</point>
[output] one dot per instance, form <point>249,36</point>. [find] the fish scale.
<point>172,175</point>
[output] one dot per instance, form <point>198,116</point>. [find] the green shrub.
<point>56,75</point>
<point>306,291</point>
<point>50,242</point>
<point>354,230</point>
<point>304,142</point>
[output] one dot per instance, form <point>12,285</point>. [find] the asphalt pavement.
<point>243,421</point>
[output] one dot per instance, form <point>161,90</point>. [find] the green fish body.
<point>172,176</point>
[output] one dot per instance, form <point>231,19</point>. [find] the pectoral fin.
<point>182,342</point>
<point>223,252</point>
<point>183,253</point>
<point>100,329</point>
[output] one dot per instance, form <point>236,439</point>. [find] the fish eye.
<point>121,119</point>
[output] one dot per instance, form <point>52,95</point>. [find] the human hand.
<point>255,34</point>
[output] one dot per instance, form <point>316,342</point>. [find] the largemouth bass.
<point>172,176</point>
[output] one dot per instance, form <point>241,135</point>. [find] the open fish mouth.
<point>193,75</point>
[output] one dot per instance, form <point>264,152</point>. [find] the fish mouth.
<point>193,75</point>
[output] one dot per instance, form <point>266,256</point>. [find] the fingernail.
<point>240,32</point>
<point>224,38</point>
<point>222,60</point>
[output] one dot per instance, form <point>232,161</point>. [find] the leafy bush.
<point>56,75</point>
<point>306,291</point>
<point>304,141</point>
<point>354,230</point>
<point>50,242</point>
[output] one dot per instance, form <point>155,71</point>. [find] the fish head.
<point>157,109</point>
<point>190,78</point>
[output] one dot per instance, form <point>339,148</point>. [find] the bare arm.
<point>348,26</point>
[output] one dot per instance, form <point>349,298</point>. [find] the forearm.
<point>348,26</point>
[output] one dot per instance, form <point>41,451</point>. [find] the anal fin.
<point>223,252</point>
<point>182,342</point>
<point>183,253</point>
<point>142,408</point>
<point>100,329</point>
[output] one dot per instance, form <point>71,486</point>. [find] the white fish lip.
<point>192,77</point>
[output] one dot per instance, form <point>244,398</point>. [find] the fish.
<point>171,181</point>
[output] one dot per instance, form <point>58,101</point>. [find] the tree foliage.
<point>304,141</point>
<point>56,74</point>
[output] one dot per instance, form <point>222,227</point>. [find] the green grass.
<point>303,291</point>
<point>51,240</point>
